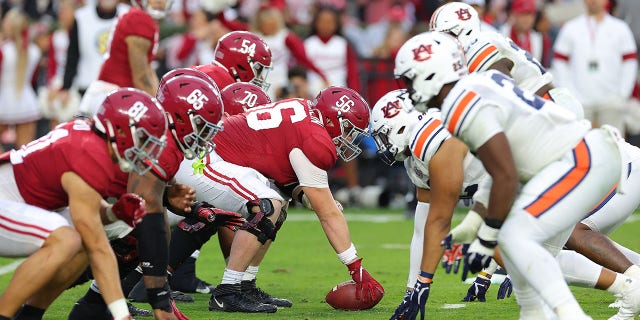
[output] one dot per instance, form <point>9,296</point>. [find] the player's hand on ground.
<point>130,208</point>
<point>506,287</point>
<point>366,285</point>
<point>219,217</point>
<point>419,297</point>
<point>181,197</point>
<point>452,257</point>
<point>478,290</point>
<point>403,307</point>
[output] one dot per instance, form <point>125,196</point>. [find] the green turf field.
<point>302,267</point>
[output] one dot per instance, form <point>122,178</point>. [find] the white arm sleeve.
<point>308,174</point>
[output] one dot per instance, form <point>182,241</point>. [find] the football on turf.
<point>343,297</point>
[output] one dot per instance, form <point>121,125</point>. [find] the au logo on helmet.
<point>422,53</point>
<point>463,14</point>
<point>392,109</point>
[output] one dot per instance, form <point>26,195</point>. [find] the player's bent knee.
<point>66,240</point>
<point>264,219</point>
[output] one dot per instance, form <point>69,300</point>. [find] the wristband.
<point>425,277</point>
<point>110,215</point>
<point>160,298</point>
<point>119,309</point>
<point>348,255</point>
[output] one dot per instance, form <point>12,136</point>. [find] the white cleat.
<point>616,304</point>
<point>629,301</point>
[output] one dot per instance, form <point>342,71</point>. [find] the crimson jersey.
<point>72,146</point>
<point>169,160</point>
<point>134,22</point>
<point>263,138</point>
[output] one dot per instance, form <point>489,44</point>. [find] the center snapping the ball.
<point>343,297</point>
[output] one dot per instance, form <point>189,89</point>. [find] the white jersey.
<point>426,138</point>
<point>539,131</point>
<point>489,47</point>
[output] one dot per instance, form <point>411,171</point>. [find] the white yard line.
<point>10,267</point>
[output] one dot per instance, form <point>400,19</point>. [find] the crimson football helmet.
<point>194,109</point>
<point>185,72</point>
<point>345,115</point>
<point>246,56</point>
<point>135,125</point>
<point>241,96</point>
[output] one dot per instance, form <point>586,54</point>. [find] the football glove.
<point>481,250</point>
<point>418,301</point>
<point>506,287</point>
<point>218,217</point>
<point>478,290</point>
<point>179,315</point>
<point>365,283</point>
<point>402,308</point>
<point>130,208</point>
<point>452,256</point>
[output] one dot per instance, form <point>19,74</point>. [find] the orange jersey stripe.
<point>565,185</point>
<point>458,110</point>
<point>477,61</point>
<point>421,144</point>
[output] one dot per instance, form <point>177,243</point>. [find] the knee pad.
<point>258,223</point>
<point>281,218</point>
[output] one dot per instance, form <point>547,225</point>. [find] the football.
<point>343,297</point>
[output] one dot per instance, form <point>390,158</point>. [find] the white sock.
<point>619,284</point>
<point>251,273</point>
<point>232,277</point>
<point>577,269</point>
<point>417,242</point>
<point>633,272</point>
<point>570,311</point>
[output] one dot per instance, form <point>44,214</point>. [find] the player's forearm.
<point>336,229</point>
<point>437,227</point>
<point>146,80</point>
<point>105,269</point>
<point>503,192</point>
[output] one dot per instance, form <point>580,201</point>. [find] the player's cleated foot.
<point>229,298</point>
<point>615,304</point>
<point>87,310</point>
<point>478,290</point>
<point>629,301</point>
<point>250,290</point>
<point>184,279</point>
<point>138,312</point>
<point>139,294</point>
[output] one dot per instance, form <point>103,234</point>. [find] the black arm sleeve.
<point>73,57</point>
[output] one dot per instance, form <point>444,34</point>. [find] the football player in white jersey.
<point>564,166</point>
<point>441,168</point>
<point>491,50</point>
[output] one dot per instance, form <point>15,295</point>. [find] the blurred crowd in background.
<point>315,43</point>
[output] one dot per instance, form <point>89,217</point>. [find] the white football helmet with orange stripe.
<point>458,19</point>
<point>426,62</point>
<point>392,123</point>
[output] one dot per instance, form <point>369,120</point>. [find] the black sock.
<point>28,312</point>
<point>130,281</point>
<point>93,297</point>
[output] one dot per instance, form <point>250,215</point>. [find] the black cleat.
<point>88,310</point>
<point>229,298</point>
<point>138,312</point>
<point>251,291</point>
<point>139,294</point>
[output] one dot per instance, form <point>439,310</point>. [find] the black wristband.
<point>493,223</point>
<point>160,298</point>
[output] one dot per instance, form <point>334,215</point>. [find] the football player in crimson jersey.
<point>132,46</point>
<point>292,142</point>
<point>194,109</point>
<point>239,97</point>
<point>76,165</point>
